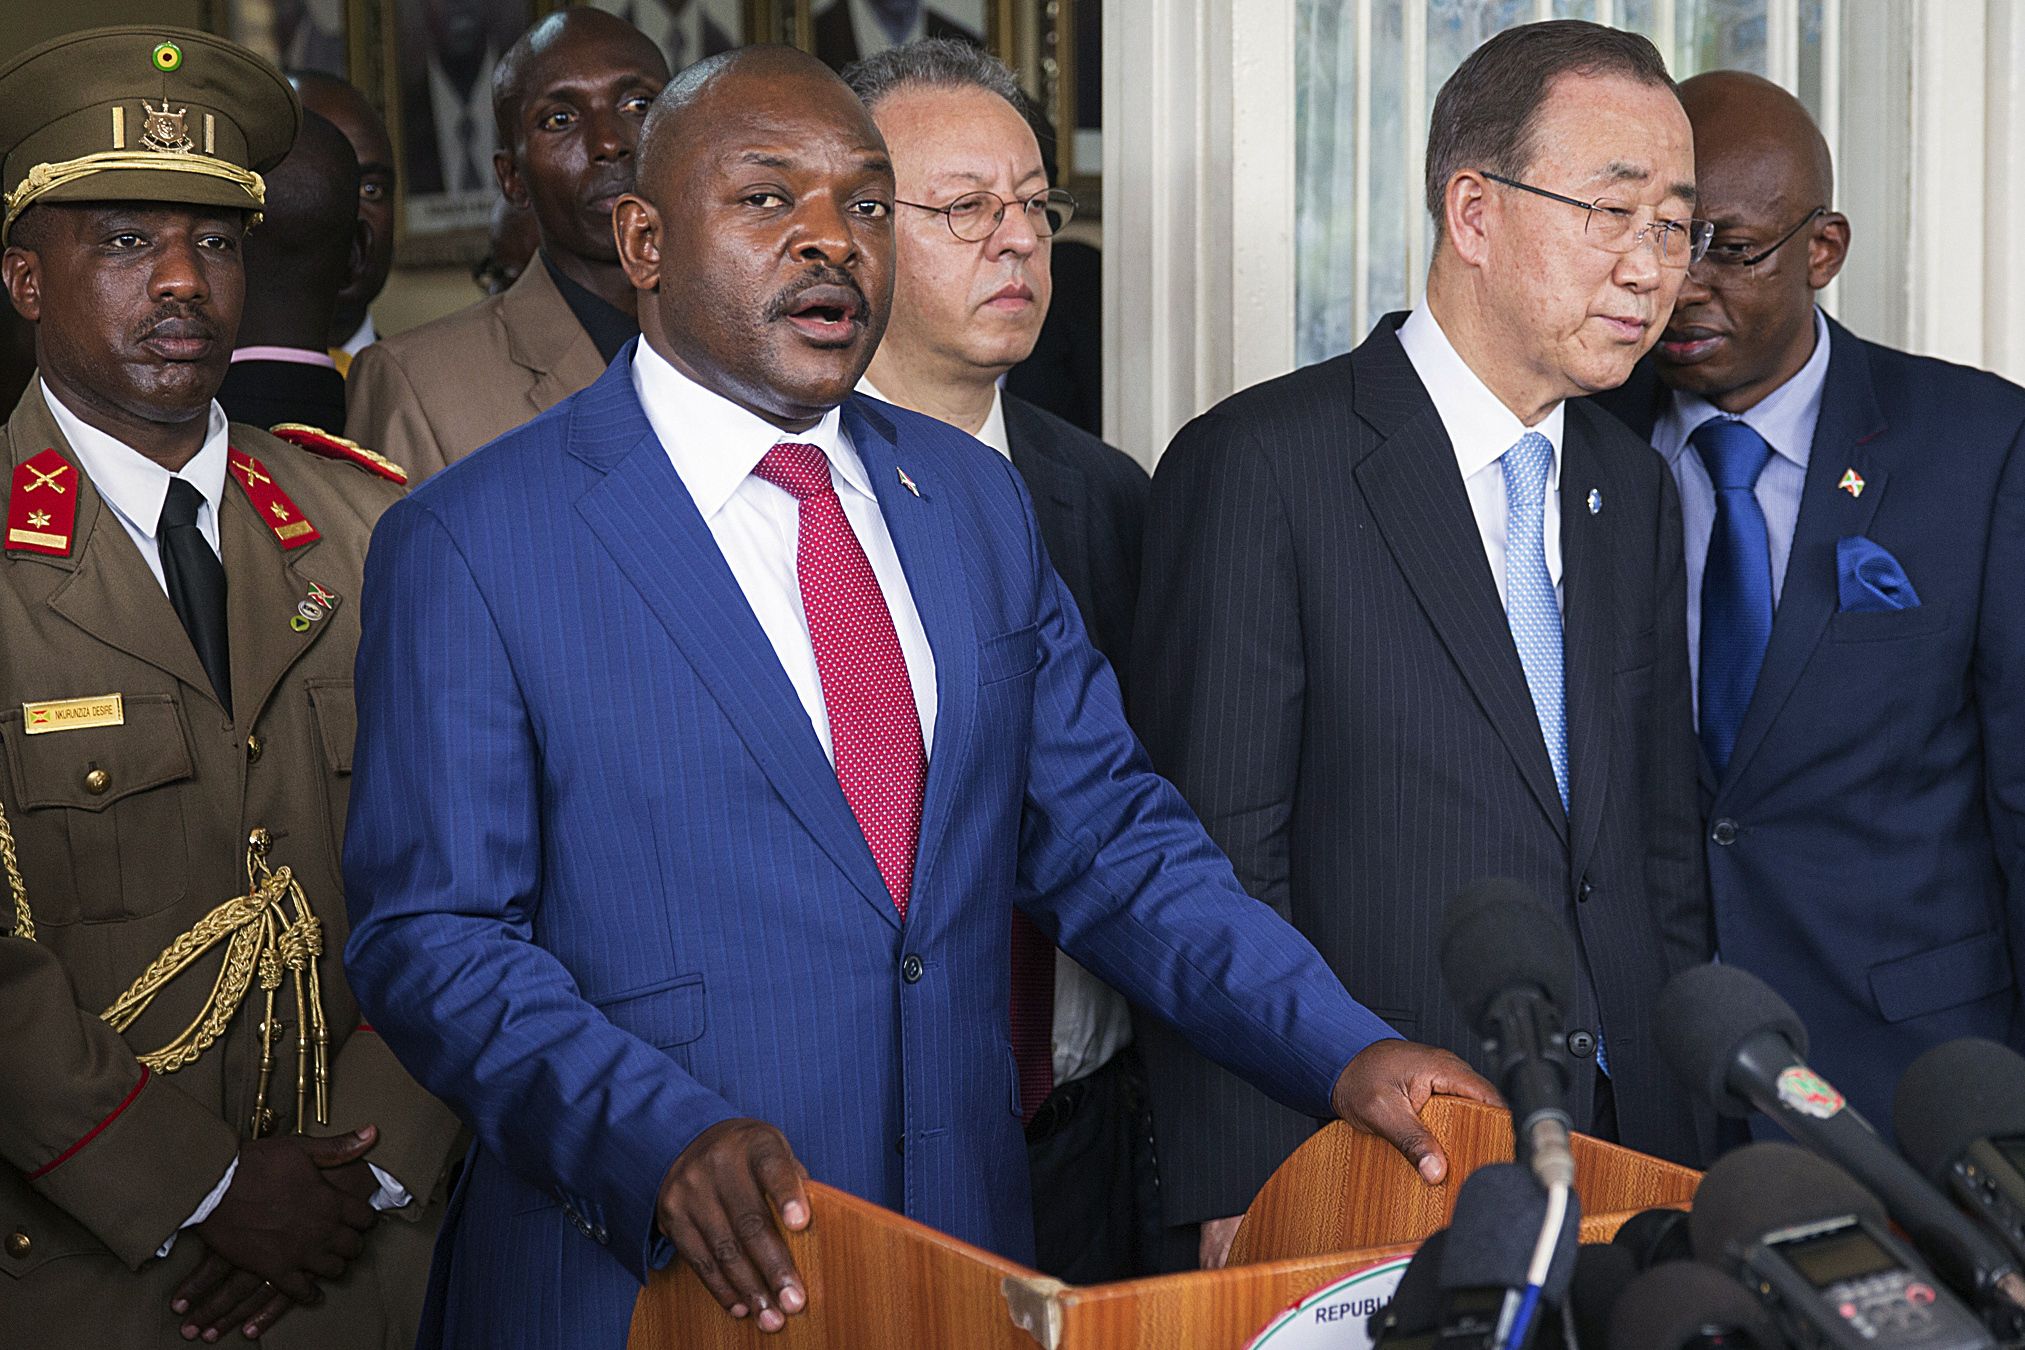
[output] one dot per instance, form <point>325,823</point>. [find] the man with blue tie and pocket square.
<point>710,732</point>
<point>1855,533</point>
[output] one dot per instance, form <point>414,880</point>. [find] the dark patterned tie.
<point>196,582</point>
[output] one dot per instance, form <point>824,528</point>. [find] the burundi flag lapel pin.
<point>1852,482</point>
<point>905,481</point>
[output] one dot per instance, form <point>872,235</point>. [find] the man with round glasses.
<point>973,228</point>
<point>1855,534</point>
<point>1418,617</point>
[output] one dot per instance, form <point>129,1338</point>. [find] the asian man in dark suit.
<point>1855,534</point>
<point>973,285</point>
<point>1415,618</point>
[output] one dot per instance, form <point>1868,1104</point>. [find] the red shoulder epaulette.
<point>292,529</point>
<point>320,442</point>
<point>42,508</point>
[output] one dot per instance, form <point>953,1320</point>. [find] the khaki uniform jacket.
<point>127,836</point>
<point>430,396</point>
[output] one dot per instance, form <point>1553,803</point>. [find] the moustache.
<point>175,321</point>
<point>785,302</point>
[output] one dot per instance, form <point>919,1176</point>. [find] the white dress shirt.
<point>135,488</point>
<point>364,336</point>
<point>1481,429</point>
<point>715,445</point>
<point>1093,1022</point>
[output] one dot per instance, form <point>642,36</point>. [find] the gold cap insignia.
<point>162,130</point>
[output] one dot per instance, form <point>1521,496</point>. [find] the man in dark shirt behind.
<point>569,96</point>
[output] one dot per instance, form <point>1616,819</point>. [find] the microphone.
<point>1603,1270</point>
<point>1684,1305</point>
<point>1486,1296</point>
<point>1815,1247</point>
<point>1409,1320</point>
<point>1510,967</point>
<point>1960,1116</point>
<point>1655,1236</point>
<point>1729,1037</point>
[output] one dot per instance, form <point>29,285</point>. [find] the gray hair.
<point>934,63</point>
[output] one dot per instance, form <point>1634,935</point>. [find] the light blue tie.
<point>1529,595</point>
<point>1532,612</point>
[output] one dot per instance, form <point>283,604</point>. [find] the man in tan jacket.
<point>198,1136</point>
<point>570,97</point>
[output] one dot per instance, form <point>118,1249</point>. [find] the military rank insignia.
<point>320,442</point>
<point>291,527</point>
<point>42,508</point>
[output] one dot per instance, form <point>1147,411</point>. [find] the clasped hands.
<point>719,1198</point>
<point>297,1211</point>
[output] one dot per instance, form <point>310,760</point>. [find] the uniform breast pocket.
<point>336,716</point>
<point>101,826</point>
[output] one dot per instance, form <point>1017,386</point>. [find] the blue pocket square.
<point>1869,580</point>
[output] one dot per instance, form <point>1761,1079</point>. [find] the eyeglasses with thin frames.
<point>1676,243</point>
<point>1736,256</point>
<point>974,217</point>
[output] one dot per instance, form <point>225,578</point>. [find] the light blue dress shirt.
<point>1786,418</point>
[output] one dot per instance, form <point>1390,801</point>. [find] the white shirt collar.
<point>992,433</point>
<point>1480,427</point>
<point>1786,417</point>
<point>133,485</point>
<point>365,337</point>
<point>715,444</point>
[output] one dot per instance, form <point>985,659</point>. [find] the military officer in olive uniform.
<point>197,1135</point>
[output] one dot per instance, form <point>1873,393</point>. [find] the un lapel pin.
<point>1852,482</point>
<point>905,481</point>
<point>1595,501</point>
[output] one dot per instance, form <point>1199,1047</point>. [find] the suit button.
<point>97,781</point>
<point>1724,831</point>
<point>253,749</point>
<point>1581,1043</point>
<point>910,969</point>
<point>1585,890</point>
<point>18,1245</point>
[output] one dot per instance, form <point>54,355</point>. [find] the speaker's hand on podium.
<point>717,1206</point>
<point>1384,1087</point>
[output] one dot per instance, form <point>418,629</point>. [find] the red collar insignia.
<point>42,509</point>
<point>291,527</point>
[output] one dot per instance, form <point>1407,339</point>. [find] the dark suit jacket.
<point>1065,371</point>
<point>266,393</point>
<point>1324,669</point>
<point>1875,804</point>
<point>1090,499</point>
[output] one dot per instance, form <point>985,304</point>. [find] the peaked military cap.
<point>147,113</point>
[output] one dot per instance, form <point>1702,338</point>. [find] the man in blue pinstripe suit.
<point>708,732</point>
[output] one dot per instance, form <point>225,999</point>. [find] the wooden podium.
<point>1342,1201</point>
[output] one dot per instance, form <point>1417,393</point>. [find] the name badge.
<point>73,714</point>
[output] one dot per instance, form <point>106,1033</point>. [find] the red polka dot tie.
<point>875,728</point>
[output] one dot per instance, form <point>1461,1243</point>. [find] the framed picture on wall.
<point>1072,76</point>
<point>297,34</point>
<point>843,31</point>
<point>686,31</point>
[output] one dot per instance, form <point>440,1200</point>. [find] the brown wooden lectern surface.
<point>1344,1200</point>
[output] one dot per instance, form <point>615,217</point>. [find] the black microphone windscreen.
<point>1705,1014</point>
<point>1655,1236</point>
<point>1768,1186</point>
<point>1955,1094</point>
<point>1497,1220</point>
<point>1495,935</point>
<point>1602,1272</point>
<point>1416,1304</point>
<point>1673,1305</point>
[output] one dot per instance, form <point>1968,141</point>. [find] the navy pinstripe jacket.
<point>606,891</point>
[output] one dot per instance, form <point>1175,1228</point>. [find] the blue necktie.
<point>1529,595</point>
<point>1736,584</point>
